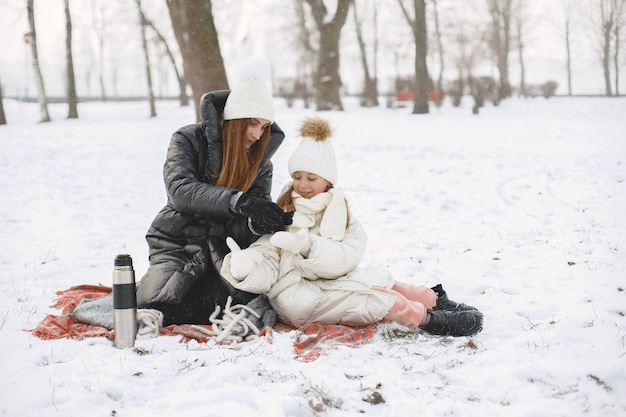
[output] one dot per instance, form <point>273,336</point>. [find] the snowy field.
<point>519,211</point>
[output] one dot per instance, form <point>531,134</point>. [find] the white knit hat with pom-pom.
<point>251,98</point>
<point>315,154</point>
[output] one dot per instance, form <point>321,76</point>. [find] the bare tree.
<point>328,81</point>
<point>72,98</point>
<point>519,37</point>
<point>440,51</point>
<point>619,24</point>
<point>420,35</point>
<point>43,99</point>
<point>307,63</point>
<point>500,41</point>
<point>196,35</point>
<point>465,36</point>
<point>370,85</point>
<point>568,22</point>
<point>146,55</point>
<point>606,30</point>
<point>182,82</point>
<point>606,17</point>
<point>3,118</point>
<point>523,26</point>
<point>99,26</point>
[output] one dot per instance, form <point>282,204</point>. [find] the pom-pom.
<point>254,67</point>
<point>316,128</point>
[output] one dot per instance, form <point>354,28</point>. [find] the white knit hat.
<point>250,99</point>
<point>315,154</point>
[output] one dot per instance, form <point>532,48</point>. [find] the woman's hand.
<point>265,216</point>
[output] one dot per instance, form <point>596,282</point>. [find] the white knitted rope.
<point>233,327</point>
<point>149,323</point>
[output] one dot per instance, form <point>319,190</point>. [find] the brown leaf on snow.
<point>317,406</point>
<point>374,398</point>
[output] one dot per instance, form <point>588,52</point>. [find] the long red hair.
<point>240,167</point>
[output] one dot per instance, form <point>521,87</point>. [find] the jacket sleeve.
<point>237,227</point>
<point>184,184</point>
<point>330,259</point>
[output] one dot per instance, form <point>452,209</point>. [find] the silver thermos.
<point>124,302</point>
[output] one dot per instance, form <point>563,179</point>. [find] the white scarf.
<point>331,205</point>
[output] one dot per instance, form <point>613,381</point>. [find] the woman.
<point>310,273</point>
<point>218,178</point>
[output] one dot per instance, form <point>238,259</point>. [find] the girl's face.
<point>309,185</point>
<point>254,131</point>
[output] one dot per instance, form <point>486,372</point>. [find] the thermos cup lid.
<point>123,260</point>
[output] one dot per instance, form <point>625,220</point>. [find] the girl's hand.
<point>242,262</point>
<point>298,242</point>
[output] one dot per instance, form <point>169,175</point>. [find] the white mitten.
<point>298,242</point>
<point>242,262</point>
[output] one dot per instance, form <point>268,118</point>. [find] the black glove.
<point>288,217</point>
<point>265,216</point>
<point>261,305</point>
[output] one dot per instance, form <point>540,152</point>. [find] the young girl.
<point>310,272</point>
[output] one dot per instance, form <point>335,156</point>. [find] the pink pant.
<point>411,304</point>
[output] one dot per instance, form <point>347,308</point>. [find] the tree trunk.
<point>520,51</point>
<point>616,58</point>
<point>606,27</point>
<point>196,35</point>
<point>328,81</point>
<point>72,98</point>
<point>500,11</point>
<point>620,21</point>
<point>422,78</point>
<point>43,99</point>
<point>440,54</point>
<point>146,55</point>
<point>503,58</point>
<point>568,53</point>
<point>3,118</point>
<point>606,61</point>
<point>370,91</point>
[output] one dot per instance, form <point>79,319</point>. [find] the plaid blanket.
<point>310,341</point>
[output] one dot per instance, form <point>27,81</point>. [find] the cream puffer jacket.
<point>325,287</point>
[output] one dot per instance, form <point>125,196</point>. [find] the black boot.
<point>453,323</point>
<point>446,304</point>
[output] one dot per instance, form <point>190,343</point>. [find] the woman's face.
<point>254,131</point>
<point>309,185</point>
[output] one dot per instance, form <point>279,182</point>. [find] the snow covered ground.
<point>519,211</point>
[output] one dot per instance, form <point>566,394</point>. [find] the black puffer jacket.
<point>187,237</point>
